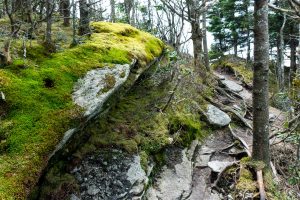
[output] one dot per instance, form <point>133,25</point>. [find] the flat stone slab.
<point>217,117</point>
<point>218,166</point>
<point>231,85</point>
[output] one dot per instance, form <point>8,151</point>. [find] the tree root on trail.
<point>259,175</point>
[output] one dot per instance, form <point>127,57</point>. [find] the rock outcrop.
<point>91,91</point>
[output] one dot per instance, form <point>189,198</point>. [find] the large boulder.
<point>217,117</point>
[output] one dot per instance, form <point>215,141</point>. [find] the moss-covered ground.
<point>39,107</point>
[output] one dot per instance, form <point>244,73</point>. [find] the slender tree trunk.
<point>235,43</point>
<point>112,11</point>
<point>74,42</point>
<point>65,9</point>
<point>150,25</point>
<point>260,84</point>
<point>197,47</point>
<point>248,35</point>
<point>128,6</point>
<point>280,57</point>
<point>84,22</point>
<point>48,35</point>
<point>248,46</point>
<point>205,48</point>
<point>132,20</point>
<point>293,65</point>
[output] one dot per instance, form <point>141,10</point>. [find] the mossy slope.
<point>37,115</point>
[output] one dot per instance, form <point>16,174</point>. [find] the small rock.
<point>220,77</point>
<point>74,197</point>
<point>272,117</point>
<point>217,117</point>
<point>218,166</point>
<point>93,190</point>
<point>2,96</point>
<point>231,85</point>
<point>170,140</point>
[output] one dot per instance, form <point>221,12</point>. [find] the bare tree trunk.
<point>48,35</point>
<point>260,84</point>
<point>197,47</point>
<point>149,16</point>
<point>293,63</point>
<point>128,6</point>
<point>10,11</point>
<point>65,6</point>
<point>113,11</point>
<point>205,48</point>
<point>248,37</point>
<point>84,22</point>
<point>197,36</point>
<point>132,21</point>
<point>74,42</point>
<point>235,43</point>
<point>280,57</point>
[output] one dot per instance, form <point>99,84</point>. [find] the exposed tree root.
<point>259,175</point>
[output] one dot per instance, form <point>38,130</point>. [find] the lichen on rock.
<point>91,91</point>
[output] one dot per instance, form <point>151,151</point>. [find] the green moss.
<point>246,181</point>
<point>40,115</point>
<point>144,160</point>
<point>190,125</point>
<point>59,186</point>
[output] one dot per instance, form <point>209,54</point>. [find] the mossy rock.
<point>246,181</point>
<point>40,114</point>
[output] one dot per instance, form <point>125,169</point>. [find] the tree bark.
<point>197,43</point>
<point>260,84</point>
<point>48,35</point>
<point>112,11</point>
<point>65,11</point>
<point>84,22</point>
<point>205,48</point>
<point>132,20</point>
<point>280,57</point>
<point>248,36</point>
<point>128,4</point>
<point>293,64</point>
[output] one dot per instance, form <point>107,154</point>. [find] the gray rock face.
<point>218,166</point>
<point>111,174</point>
<point>216,116</point>
<point>175,180</point>
<point>91,91</point>
<point>231,85</point>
